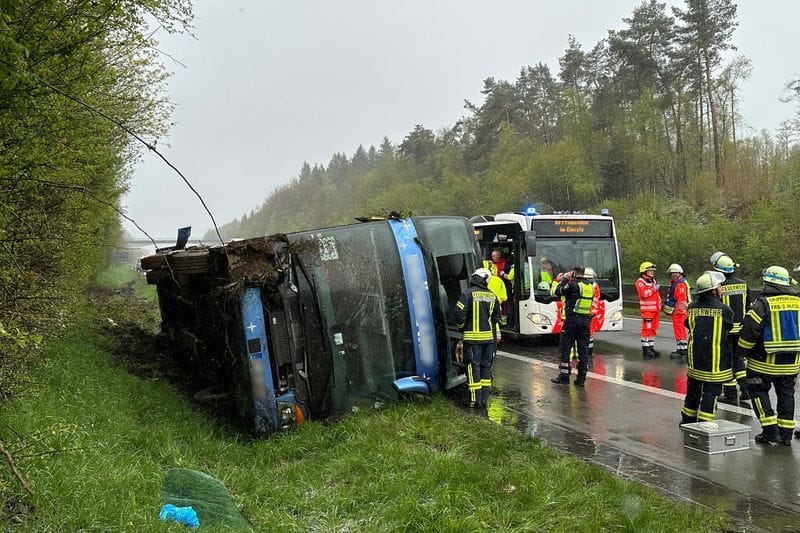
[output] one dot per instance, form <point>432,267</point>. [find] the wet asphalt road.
<point>627,420</point>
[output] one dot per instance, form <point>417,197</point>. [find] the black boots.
<point>580,381</point>
<point>561,379</point>
<point>769,435</point>
<point>678,354</point>
<point>649,353</point>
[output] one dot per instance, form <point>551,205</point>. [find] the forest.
<point>645,123</point>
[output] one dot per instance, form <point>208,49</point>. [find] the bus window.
<point>361,294</point>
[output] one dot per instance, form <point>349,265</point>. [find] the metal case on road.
<point>718,436</point>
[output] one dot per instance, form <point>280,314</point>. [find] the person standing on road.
<point>477,315</point>
<point>708,363</point>
<point>598,309</point>
<point>649,307</point>
<point>676,307</point>
<point>578,295</point>
<point>770,339</point>
<point>736,295</point>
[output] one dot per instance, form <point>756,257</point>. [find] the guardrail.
<point>631,299</point>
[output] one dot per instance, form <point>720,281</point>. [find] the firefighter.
<point>676,306</point>
<point>578,294</point>
<point>496,285</point>
<point>649,307</point>
<point>770,339</point>
<point>736,295</point>
<point>708,363</point>
<point>597,311</point>
<point>477,315</point>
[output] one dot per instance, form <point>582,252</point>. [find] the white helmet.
<point>483,273</point>
<point>588,273</point>
<point>675,267</point>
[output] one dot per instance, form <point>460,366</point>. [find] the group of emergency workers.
<point>730,339</point>
<point>726,337</point>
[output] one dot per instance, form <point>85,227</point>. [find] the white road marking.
<point>625,383</point>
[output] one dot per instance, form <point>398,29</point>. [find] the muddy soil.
<point>129,328</point>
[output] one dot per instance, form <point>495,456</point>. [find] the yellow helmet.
<point>709,280</point>
<point>725,264</point>
<point>647,265</point>
<point>777,275</point>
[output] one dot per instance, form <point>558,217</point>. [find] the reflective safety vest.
<point>678,298</point>
<point>476,312</point>
<point>735,294</point>
<point>497,286</point>
<point>782,324</point>
<point>649,298</point>
<point>709,323</point>
<point>771,332</point>
<point>583,304</point>
<point>487,263</point>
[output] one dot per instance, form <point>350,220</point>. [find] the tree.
<point>418,145</point>
<point>707,28</point>
<point>539,102</point>
<point>386,149</point>
<point>574,72</point>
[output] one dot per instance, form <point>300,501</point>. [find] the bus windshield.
<point>560,255</point>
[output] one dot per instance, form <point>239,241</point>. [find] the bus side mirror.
<point>412,385</point>
<point>530,243</point>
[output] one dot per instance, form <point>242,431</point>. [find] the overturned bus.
<point>323,322</point>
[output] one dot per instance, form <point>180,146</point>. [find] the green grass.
<point>117,276</point>
<point>120,276</point>
<point>104,439</point>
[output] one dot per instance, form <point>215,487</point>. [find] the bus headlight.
<point>290,414</point>
<point>539,319</point>
<point>616,316</point>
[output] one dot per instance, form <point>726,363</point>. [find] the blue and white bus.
<point>321,322</point>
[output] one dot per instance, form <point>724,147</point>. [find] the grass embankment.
<point>97,441</point>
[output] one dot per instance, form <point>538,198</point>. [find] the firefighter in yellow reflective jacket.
<point>477,315</point>
<point>708,363</point>
<point>736,295</point>
<point>578,295</point>
<point>770,339</point>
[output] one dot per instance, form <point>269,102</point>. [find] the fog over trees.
<point>645,122</point>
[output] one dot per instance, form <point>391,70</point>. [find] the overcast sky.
<point>267,85</point>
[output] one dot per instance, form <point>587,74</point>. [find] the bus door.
<point>451,257</point>
<point>506,237</point>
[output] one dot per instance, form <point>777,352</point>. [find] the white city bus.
<point>540,247</point>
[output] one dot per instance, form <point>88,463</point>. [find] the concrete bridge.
<point>131,249</point>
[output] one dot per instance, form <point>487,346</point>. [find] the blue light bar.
<point>604,212</point>
<point>530,211</point>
